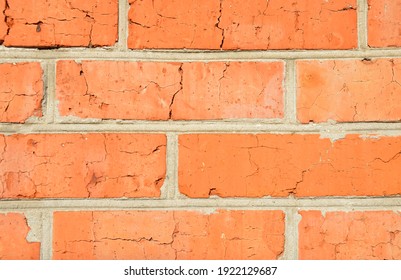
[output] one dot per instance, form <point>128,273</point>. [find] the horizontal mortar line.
<point>189,55</point>
<point>204,127</point>
<point>389,203</point>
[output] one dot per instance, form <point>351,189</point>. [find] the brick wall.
<point>139,129</point>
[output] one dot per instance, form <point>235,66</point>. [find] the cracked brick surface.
<point>349,90</point>
<point>384,25</point>
<point>81,165</point>
<point>350,235</point>
<point>281,165</point>
<point>59,23</point>
<point>168,235</point>
<point>21,91</point>
<point>117,90</point>
<point>235,24</point>
<point>219,90</point>
<point>162,91</point>
<point>13,244</point>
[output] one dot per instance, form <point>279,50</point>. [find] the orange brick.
<point>3,24</point>
<point>13,244</point>
<point>231,165</point>
<point>235,24</point>
<point>162,91</point>
<point>117,90</point>
<point>81,165</point>
<point>221,90</point>
<point>384,25</point>
<point>21,91</point>
<point>58,23</point>
<point>349,90</point>
<point>168,235</point>
<point>350,235</point>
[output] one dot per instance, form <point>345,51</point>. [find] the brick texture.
<point>81,165</point>
<point>235,24</point>
<point>21,91</point>
<point>281,165</point>
<point>352,235</point>
<point>13,244</point>
<point>55,23</point>
<point>168,235</point>
<point>384,25</point>
<point>349,90</point>
<point>162,91</point>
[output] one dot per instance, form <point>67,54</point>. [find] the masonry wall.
<point>215,129</point>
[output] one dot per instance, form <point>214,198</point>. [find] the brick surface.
<point>349,90</point>
<point>119,90</point>
<point>384,25</point>
<point>81,165</point>
<point>162,91</point>
<point>350,235</point>
<point>13,244</point>
<point>21,91</point>
<point>54,23</point>
<point>168,235</point>
<point>221,90</point>
<point>279,165</point>
<point>235,24</point>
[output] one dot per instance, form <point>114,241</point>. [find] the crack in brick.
<point>180,70</point>
<point>218,25</point>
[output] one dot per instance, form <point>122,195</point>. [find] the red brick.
<point>235,24</point>
<point>219,90</point>
<point>162,91</point>
<point>384,25</point>
<point>54,23</point>
<point>350,235</point>
<point>117,90</point>
<point>168,235</point>
<point>349,90</point>
<point>13,244</point>
<point>21,91</point>
<point>232,165</point>
<point>3,25</point>
<point>82,165</point>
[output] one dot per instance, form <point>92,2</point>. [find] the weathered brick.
<point>117,90</point>
<point>349,90</point>
<point>235,24</point>
<point>81,165</point>
<point>162,91</point>
<point>54,23</point>
<point>219,90</point>
<point>350,235</point>
<point>21,91</point>
<point>232,165</point>
<point>168,235</point>
<point>3,24</point>
<point>13,244</point>
<point>384,25</point>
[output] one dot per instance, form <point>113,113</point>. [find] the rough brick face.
<point>384,25</point>
<point>13,244</point>
<point>349,90</point>
<point>119,90</point>
<point>162,91</point>
<point>81,165</point>
<point>53,23</point>
<point>235,24</point>
<point>352,235</point>
<point>21,91</point>
<point>219,90</point>
<point>279,165</point>
<point>168,235</point>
